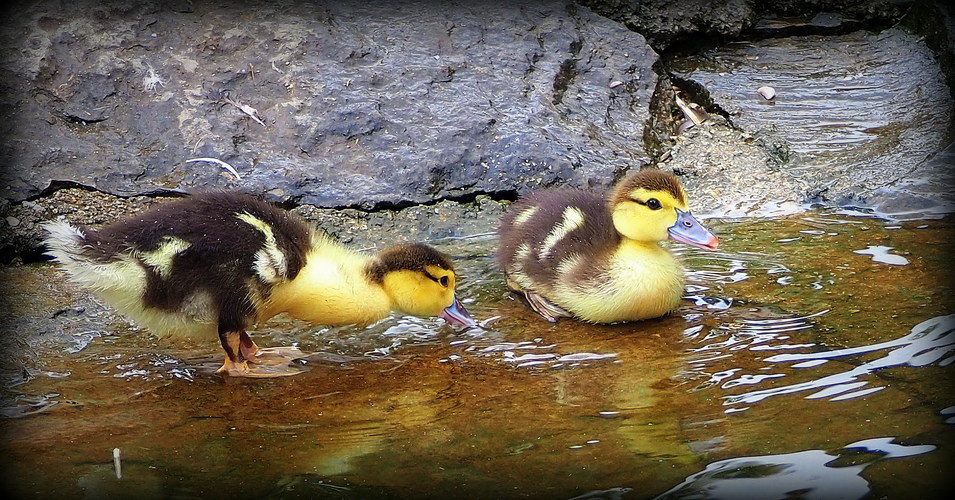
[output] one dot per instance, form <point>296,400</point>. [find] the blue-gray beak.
<point>689,230</point>
<point>456,315</point>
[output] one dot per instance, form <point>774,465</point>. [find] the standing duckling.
<point>574,253</point>
<point>217,263</point>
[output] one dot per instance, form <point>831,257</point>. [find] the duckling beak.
<point>456,315</point>
<point>689,230</point>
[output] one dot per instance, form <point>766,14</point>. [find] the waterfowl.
<point>599,259</point>
<point>217,263</point>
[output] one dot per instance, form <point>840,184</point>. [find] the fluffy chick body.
<point>577,253</point>
<point>220,262</point>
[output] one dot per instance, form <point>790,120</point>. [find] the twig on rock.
<point>221,163</point>
<point>249,110</point>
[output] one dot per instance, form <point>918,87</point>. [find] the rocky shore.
<point>418,122</point>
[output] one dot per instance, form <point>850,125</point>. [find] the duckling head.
<point>420,281</point>
<point>651,205</point>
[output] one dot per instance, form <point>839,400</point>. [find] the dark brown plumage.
<point>596,238</point>
<point>219,262</point>
<point>221,256</point>
<point>416,257</point>
<point>649,179</point>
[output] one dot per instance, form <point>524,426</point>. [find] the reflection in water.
<point>880,253</point>
<point>928,342</point>
<point>811,474</point>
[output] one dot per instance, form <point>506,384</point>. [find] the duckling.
<point>217,263</point>
<point>574,253</point>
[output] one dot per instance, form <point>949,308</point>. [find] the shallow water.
<point>796,364</point>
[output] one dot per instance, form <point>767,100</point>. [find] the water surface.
<point>812,357</point>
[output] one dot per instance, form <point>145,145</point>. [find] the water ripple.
<point>929,342</point>
<point>881,254</point>
<point>542,355</point>
<point>813,473</point>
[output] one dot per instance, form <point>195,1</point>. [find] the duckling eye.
<point>444,281</point>
<point>654,204</point>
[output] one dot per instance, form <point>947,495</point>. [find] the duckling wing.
<point>212,257</point>
<point>554,238</point>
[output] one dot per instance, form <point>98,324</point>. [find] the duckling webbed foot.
<point>249,351</point>
<point>245,359</point>
<point>547,309</point>
<point>244,369</point>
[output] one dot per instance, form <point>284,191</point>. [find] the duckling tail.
<point>69,247</point>
<point>65,242</point>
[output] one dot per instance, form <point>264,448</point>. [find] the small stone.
<point>767,92</point>
<point>13,221</point>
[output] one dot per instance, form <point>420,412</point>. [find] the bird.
<point>598,258</point>
<point>220,262</point>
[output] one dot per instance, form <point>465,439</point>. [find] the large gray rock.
<point>861,120</point>
<point>365,104</point>
<point>666,23</point>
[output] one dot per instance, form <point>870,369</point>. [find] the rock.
<point>420,123</point>
<point>422,223</point>
<point>729,173</point>
<point>667,24</point>
<point>364,104</point>
<point>858,120</point>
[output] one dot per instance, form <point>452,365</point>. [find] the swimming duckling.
<point>574,253</point>
<point>217,263</point>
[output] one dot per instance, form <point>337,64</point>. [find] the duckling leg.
<point>247,347</point>
<point>234,364</point>
<point>251,352</point>
<point>237,345</point>
<point>549,310</point>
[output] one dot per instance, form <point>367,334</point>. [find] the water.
<point>807,357</point>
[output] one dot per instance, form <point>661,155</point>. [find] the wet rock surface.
<point>861,118</point>
<point>387,124</point>
<point>335,105</point>
<point>733,173</point>
<point>666,23</point>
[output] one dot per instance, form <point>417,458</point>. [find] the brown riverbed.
<point>791,350</point>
